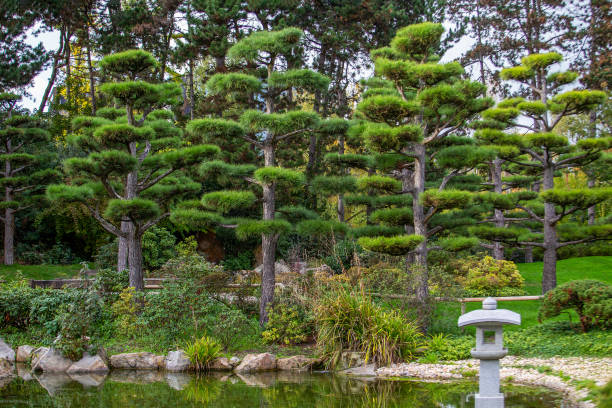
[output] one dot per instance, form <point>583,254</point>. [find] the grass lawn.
<point>40,272</point>
<point>591,267</point>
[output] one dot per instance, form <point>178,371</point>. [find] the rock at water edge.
<point>257,362</point>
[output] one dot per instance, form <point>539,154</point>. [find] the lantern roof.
<point>489,314</point>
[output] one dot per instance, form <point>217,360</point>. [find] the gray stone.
<point>234,361</point>
<point>295,363</point>
<point>6,352</point>
<point>221,364</point>
<point>257,362</point>
<point>24,353</point>
<point>280,267</point>
<point>37,354</point>
<point>88,364</point>
<point>89,380</point>
<point>350,359</point>
<point>51,361</point>
<point>137,361</point>
<point>6,368</point>
<point>177,361</point>
<point>178,381</point>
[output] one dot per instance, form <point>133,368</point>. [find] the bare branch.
<point>531,213</point>
<point>156,180</point>
<point>151,223</point>
<point>286,135</point>
<point>107,225</point>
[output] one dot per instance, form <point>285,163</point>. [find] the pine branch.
<point>531,213</point>
<point>156,180</point>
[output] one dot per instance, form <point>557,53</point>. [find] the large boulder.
<point>24,353</point>
<point>6,352</point>
<point>350,359</point>
<point>50,361</point>
<point>137,361</point>
<point>177,361</point>
<point>88,364</point>
<point>257,362</point>
<point>221,364</point>
<point>296,363</point>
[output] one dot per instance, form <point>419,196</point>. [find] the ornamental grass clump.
<point>352,321</point>
<point>203,352</point>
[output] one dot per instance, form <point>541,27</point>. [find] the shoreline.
<point>567,375</point>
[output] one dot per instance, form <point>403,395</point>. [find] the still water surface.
<point>127,389</point>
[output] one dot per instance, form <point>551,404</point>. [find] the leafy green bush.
<point>203,352</point>
<point>110,282</point>
<point>442,347</point>
<point>76,321</point>
<point>590,299</point>
<point>351,321</point>
<point>342,255</point>
<point>106,256</point>
<point>15,303</point>
<point>243,260</point>
<point>286,325</point>
<point>490,277</point>
<point>157,247</point>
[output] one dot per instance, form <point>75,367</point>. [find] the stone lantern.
<point>489,348</point>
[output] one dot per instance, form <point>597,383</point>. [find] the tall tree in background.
<point>267,129</point>
<point>21,173</point>
<point>547,152</point>
<point>130,177</point>
<point>428,102</point>
<point>19,61</point>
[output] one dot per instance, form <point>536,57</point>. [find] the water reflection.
<point>128,389</point>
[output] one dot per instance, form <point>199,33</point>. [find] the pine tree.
<point>543,153</point>
<point>22,160</point>
<point>130,176</point>
<point>268,129</point>
<point>422,104</point>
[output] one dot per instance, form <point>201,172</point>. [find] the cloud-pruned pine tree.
<point>21,165</point>
<point>130,175</point>
<point>267,128</point>
<point>414,112</point>
<point>543,153</point>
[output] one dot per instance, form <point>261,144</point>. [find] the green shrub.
<point>590,299</point>
<point>342,255</point>
<point>351,321</point>
<point>442,347</point>
<point>286,325</point>
<point>243,260</point>
<point>110,282</point>
<point>157,247</point>
<point>76,321</point>
<point>203,352</point>
<point>490,277</point>
<point>125,310</point>
<point>106,256</point>
<point>232,328</point>
<point>15,303</point>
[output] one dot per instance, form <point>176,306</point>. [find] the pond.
<point>128,389</point>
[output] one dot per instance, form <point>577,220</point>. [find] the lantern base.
<point>489,401</point>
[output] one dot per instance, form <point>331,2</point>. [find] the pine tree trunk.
<point>341,196</point>
<point>498,248</point>
<point>268,243</point>
<point>92,82</point>
<point>56,59</point>
<point>549,271</point>
<point>420,227</point>
<point>591,209</point>
<point>9,235</point>
<point>122,251</point>
<point>135,260</point>
<point>529,254</point>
